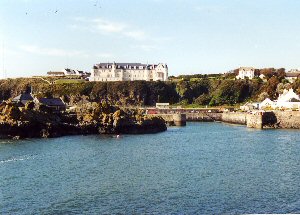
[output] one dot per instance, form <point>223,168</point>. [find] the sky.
<point>191,36</point>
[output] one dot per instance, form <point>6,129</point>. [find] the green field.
<point>69,81</point>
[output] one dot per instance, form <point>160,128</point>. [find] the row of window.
<point>133,69</point>
<point>161,75</point>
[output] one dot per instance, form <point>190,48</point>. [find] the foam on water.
<point>15,159</point>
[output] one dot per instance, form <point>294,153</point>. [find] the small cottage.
<point>292,75</point>
<point>55,104</point>
<point>23,98</point>
<point>267,103</point>
<point>249,106</point>
<point>288,99</point>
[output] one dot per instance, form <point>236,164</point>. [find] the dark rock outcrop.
<point>92,118</point>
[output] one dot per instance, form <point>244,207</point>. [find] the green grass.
<point>69,81</point>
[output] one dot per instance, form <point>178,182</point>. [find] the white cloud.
<point>51,51</point>
<point>104,26</point>
<point>107,26</point>
<point>137,35</point>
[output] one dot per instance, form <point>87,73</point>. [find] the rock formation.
<point>89,118</point>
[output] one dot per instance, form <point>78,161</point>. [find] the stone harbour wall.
<point>281,119</point>
<point>272,119</point>
<point>204,117</point>
<point>235,118</point>
<point>173,119</point>
<point>255,121</point>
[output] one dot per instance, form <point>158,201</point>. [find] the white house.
<point>262,76</point>
<point>68,72</point>
<point>267,103</point>
<point>292,75</point>
<point>246,72</point>
<point>249,106</point>
<point>287,100</point>
<point>129,72</point>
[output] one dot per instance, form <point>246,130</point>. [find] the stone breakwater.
<point>272,119</point>
<point>204,117</point>
<point>172,119</point>
<point>281,119</point>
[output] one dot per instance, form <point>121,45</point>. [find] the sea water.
<point>203,168</point>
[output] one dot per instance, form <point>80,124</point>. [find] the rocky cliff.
<point>90,118</point>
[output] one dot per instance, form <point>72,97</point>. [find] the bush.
<point>203,99</point>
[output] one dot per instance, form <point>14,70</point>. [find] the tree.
<point>267,72</point>
<point>282,86</point>
<point>184,90</point>
<point>263,96</point>
<point>203,99</point>
<point>272,86</point>
<point>281,74</point>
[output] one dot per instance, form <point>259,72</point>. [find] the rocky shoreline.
<point>91,118</point>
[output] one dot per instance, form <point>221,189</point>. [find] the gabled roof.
<point>267,101</point>
<point>246,68</point>
<point>292,74</point>
<point>23,98</point>
<point>52,102</point>
<point>288,96</point>
<point>70,71</point>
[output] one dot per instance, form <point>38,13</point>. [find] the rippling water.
<point>203,168</point>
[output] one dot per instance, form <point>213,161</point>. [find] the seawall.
<point>281,119</point>
<point>259,120</point>
<point>236,118</point>
<point>250,120</point>
<point>173,119</point>
<point>204,117</point>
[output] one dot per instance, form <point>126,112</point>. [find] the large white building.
<point>246,72</point>
<point>129,72</point>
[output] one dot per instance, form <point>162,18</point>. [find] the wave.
<point>25,157</point>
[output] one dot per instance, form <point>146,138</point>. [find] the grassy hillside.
<point>196,91</point>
